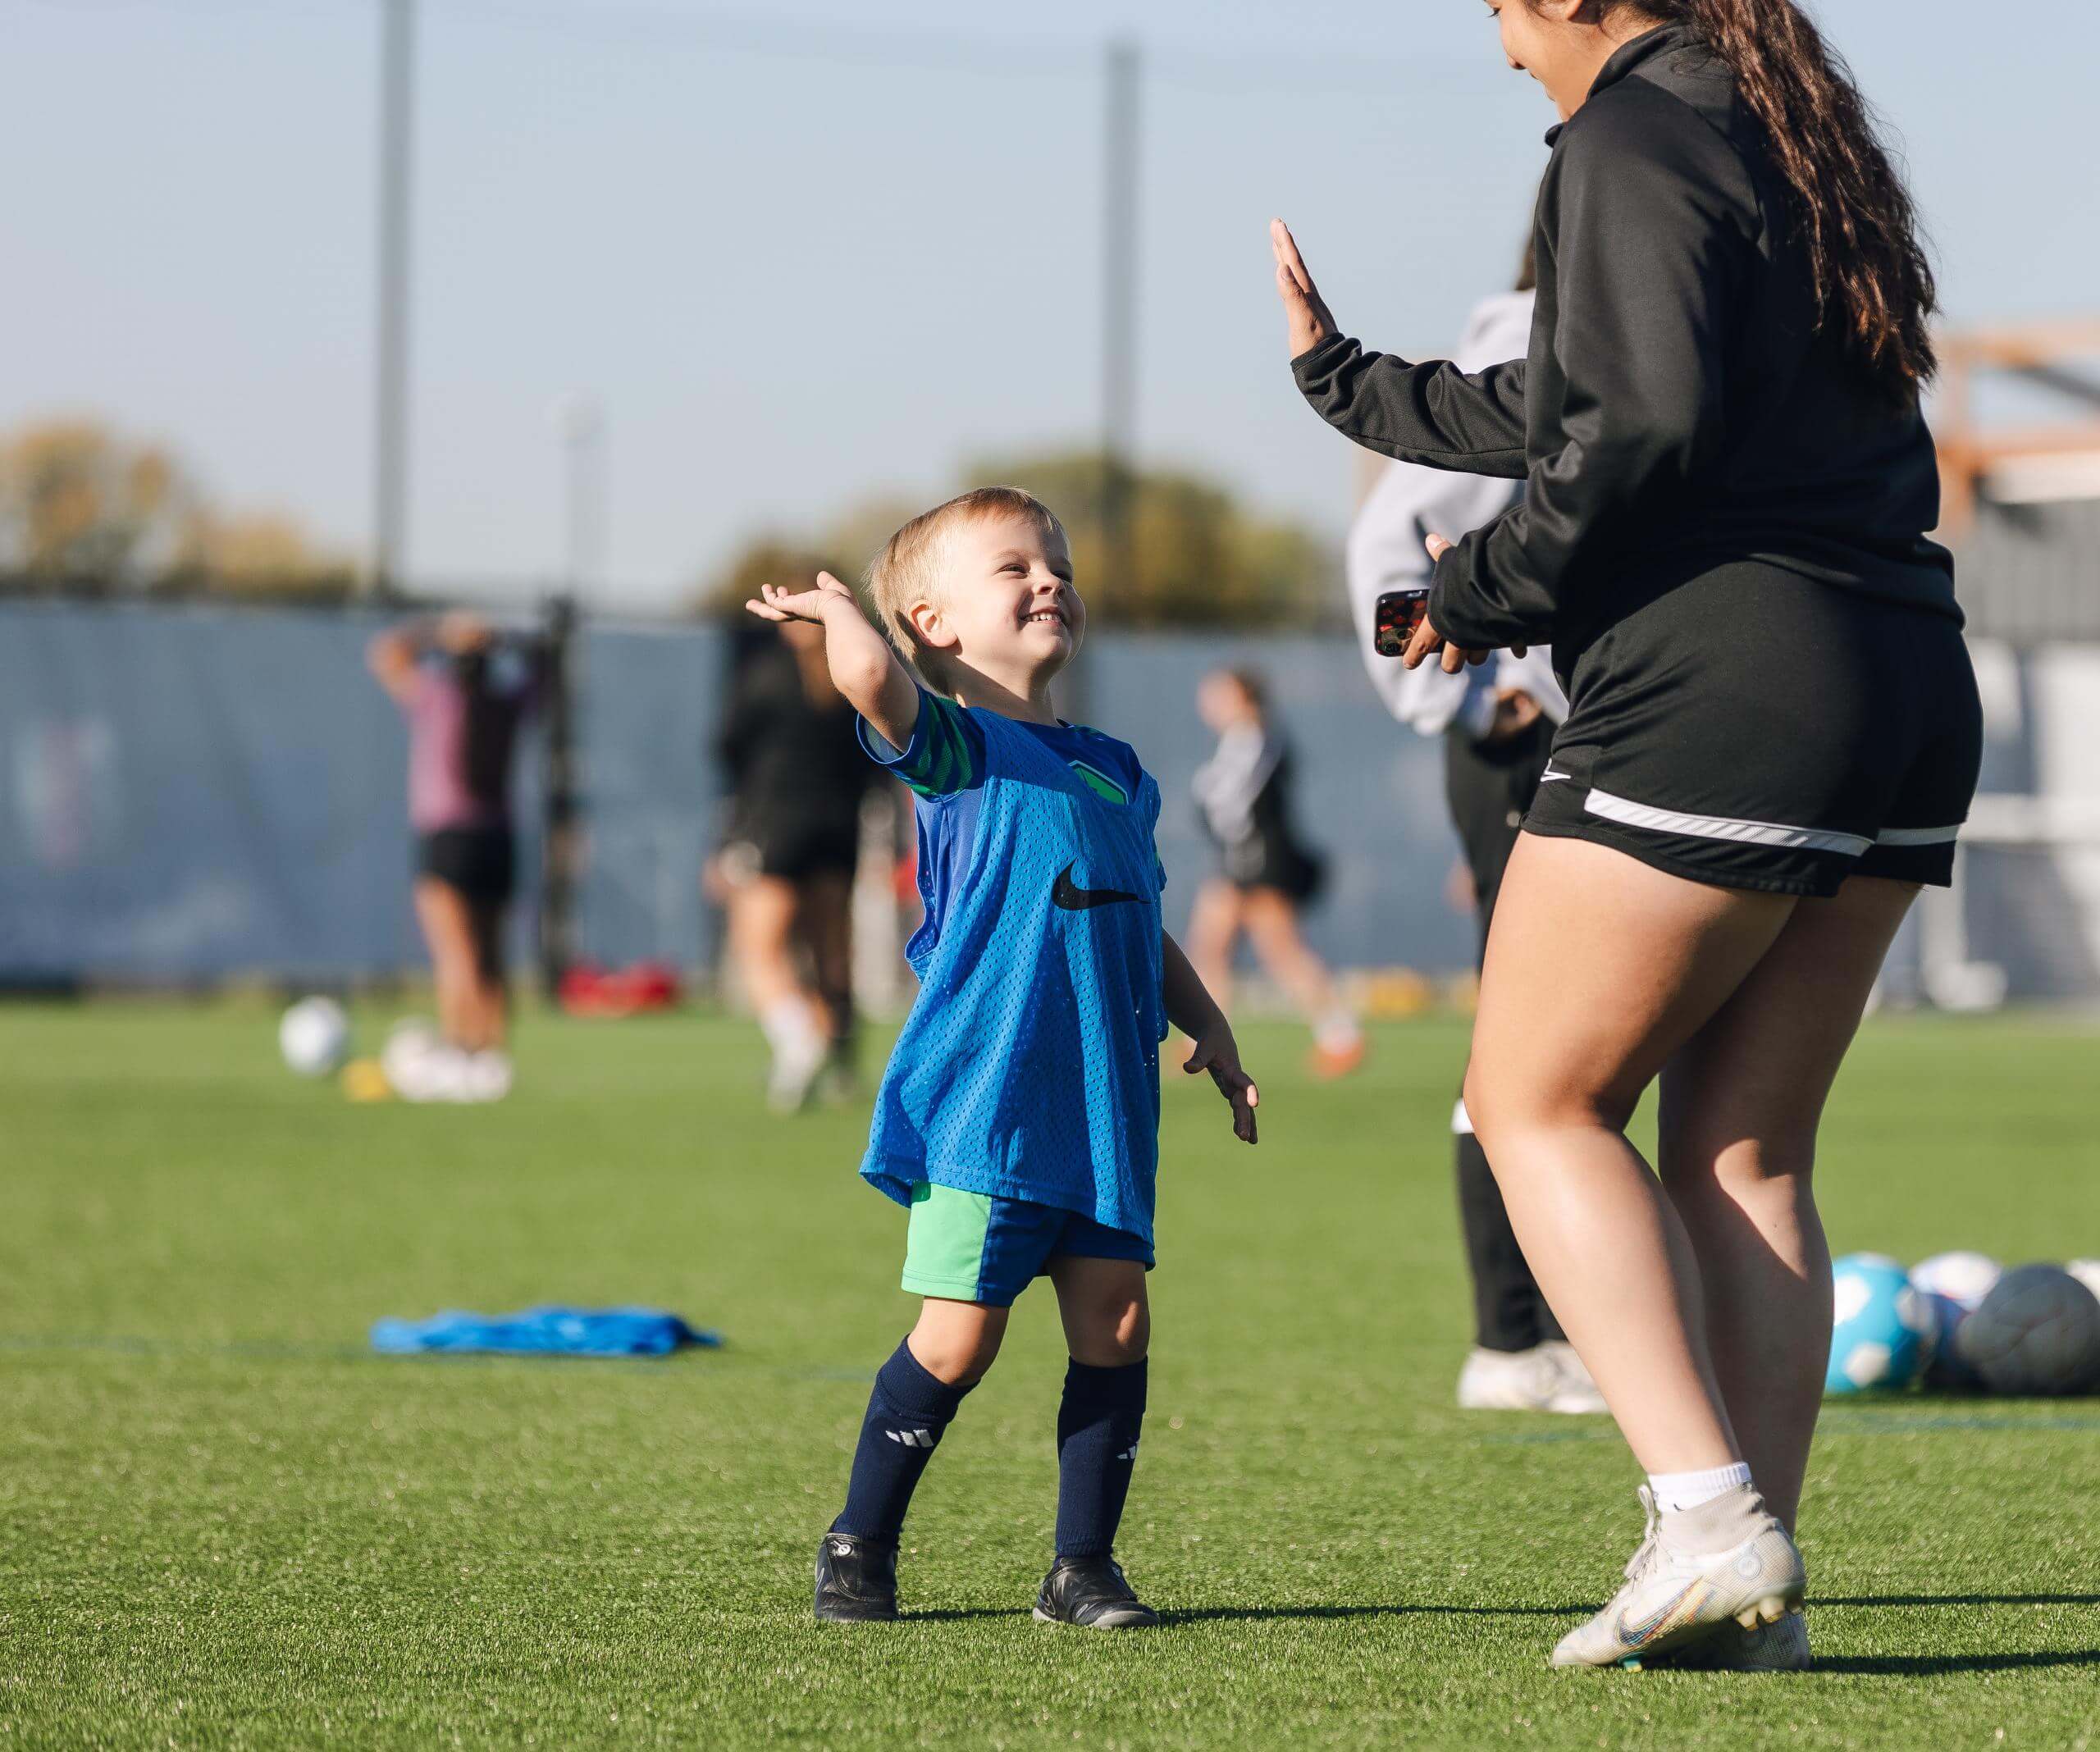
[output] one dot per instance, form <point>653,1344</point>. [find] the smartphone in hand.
<point>1398,615</point>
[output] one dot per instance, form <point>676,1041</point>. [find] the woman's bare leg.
<point>492,979</point>
<point>1599,968</point>
<point>1271,921</point>
<point>1213,927</point>
<point>761,924</point>
<point>448,930</point>
<point>1740,1102</point>
<point>824,922</point>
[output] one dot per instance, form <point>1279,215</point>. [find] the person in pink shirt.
<point>465,696</point>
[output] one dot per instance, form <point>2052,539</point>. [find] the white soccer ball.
<point>314,1036</point>
<point>2037,1332</point>
<point>1962,1277</point>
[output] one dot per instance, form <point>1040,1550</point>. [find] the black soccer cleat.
<point>1092,1592</point>
<point>857,1580</point>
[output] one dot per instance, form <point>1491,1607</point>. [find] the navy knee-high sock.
<point>907,1413</point>
<point>1098,1425</point>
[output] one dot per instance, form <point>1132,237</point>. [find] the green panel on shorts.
<point>944,1246</point>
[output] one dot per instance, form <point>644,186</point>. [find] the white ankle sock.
<point>1675,1492</point>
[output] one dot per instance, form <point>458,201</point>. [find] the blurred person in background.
<point>1269,875</point>
<point>466,692</point>
<point>1497,721</point>
<point>797,779</point>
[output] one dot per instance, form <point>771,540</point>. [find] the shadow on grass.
<point>1924,1666</point>
<point>1198,1615</point>
<point>1816,1600</point>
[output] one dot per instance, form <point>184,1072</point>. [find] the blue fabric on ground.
<point>552,1331</point>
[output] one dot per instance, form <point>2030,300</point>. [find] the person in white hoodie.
<point>1497,721</point>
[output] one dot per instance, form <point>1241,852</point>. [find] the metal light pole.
<point>579,422</point>
<point>1119,341</point>
<point>396,164</point>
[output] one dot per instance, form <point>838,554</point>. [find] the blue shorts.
<point>974,1247</point>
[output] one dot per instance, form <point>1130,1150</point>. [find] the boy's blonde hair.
<point>909,567</point>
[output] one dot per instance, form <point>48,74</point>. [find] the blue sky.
<point>808,251</point>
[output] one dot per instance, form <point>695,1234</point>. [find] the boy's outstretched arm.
<point>863,667</point>
<point>1191,1008</point>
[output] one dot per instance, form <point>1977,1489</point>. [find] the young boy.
<point>1019,1117</point>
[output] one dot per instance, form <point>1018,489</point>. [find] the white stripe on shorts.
<point>1635,814</point>
<point>1917,836</point>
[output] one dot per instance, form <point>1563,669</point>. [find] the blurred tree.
<point>83,507</point>
<point>767,559</point>
<point>77,502</point>
<point>1202,559</point>
<point>262,553</point>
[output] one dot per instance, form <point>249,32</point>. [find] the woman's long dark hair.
<point>1853,217</point>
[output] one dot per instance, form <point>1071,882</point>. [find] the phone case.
<point>1398,615</point>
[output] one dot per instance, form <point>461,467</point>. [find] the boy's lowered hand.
<point>1214,1049</point>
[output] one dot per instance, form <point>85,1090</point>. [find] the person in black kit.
<point>1773,737</point>
<point>1497,723</point>
<point>796,777</point>
<point>1269,874</point>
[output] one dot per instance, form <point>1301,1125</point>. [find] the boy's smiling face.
<point>1008,607</point>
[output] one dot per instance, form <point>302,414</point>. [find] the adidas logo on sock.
<point>1129,1453</point>
<point>912,1438</point>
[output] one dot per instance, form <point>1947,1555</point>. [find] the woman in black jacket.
<point>1773,738</point>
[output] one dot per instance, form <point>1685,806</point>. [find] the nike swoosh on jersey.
<point>1067,893</point>
<point>1547,777</point>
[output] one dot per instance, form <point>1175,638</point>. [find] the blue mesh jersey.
<point>1029,1067</point>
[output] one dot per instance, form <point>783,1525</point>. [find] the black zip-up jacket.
<point>1678,410</point>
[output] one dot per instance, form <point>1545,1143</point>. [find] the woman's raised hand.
<point>1304,310</point>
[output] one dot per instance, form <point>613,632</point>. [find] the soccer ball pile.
<point>1959,1322</point>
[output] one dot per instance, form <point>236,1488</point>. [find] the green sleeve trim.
<point>939,763</point>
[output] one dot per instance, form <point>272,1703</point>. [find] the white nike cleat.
<point>1538,1380</point>
<point>1676,1594</point>
<point>1781,1648</point>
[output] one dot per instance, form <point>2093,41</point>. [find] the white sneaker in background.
<point>1538,1380</point>
<point>1578,1388</point>
<point>488,1074</point>
<point>800,1052</point>
<point>1678,1594</point>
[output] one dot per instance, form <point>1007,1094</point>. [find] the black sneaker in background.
<point>857,1580</point>
<point>1093,1592</point>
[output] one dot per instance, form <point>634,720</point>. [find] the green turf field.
<point>223,1522</point>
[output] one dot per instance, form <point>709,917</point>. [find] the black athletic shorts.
<point>1266,861</point>
<point>795,850</point>
<point>481,862</point>
<point>1754,729</point>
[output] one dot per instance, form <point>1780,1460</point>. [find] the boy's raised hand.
<point>773,604</point>
<point>1216,1051</point>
